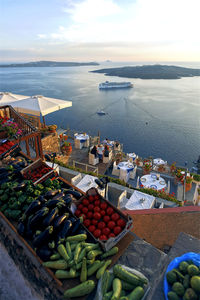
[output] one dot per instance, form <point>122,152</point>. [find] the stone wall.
<point>50,143</point>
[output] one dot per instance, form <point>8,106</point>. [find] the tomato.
<point>106,219</point>
<point>96,197</point>
<point>111,224</point>
<point>91,207</point>
<point>103,205</point>
<point>111,235</point>
<point>91,228</point>
<point>97,209</point>
<point>89,215</point>
<point>109,210</point>
<point>87,222</point>
<point>80,206</point>
<point>97,233</point>
<point>77,213</point>
<point>101,225</point>
<point>103,238</point>
<point>102,212</point>
<point>121,223</point>
<point>97,203</point>
<point>94,222</point>
<point>85,202</point>
<point>106,231</point>
<point>91,198</point>
<point>117,230</point>
<point>115,217</point>
<point>85,210</point>
<point>97,216</point>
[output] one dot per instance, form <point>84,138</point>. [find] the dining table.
<point>133,156</point>
<point>88,182</point>
<point>153,181</point>
<point>159,162</point>
<point>83,139</point>
<point>139,200</point>
<point>125,168</point>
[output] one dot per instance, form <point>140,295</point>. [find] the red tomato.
<point>117,230</point>
<point>94,222</point>
<point>103,205</point>
<point>91,228</point>
<point>101,225</point>
<point>97,216</point>
<point>91,207</point>
<point>109,210</point>
<point>77,213</point>
<point>85,202</point>
<point>106,231</point>
<point>80,206</point>
<point>115,217</point>
<point>85,210</point>
<point>87,222</point>
<point>121,223</point>
<point>111,224</point>
<point>97,233</point>
<point>97,209</point>
<point>96,197</point>
<point>103,238</point>
<point>89,214</point>
<point>106,219</point>
<point>102,212</point>
<point>97,203</point>
<point>91,198</point>
<point>111,235</point>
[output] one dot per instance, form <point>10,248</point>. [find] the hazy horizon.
<point>100,30</point>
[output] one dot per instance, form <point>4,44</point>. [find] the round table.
<point>82,137</point>
<point>151,181</point>
<point>125,165</point>
<point>159,162</point>
<point>132,155</point>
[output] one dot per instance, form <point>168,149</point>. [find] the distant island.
<point>150,72</point>
<point>50,64</point>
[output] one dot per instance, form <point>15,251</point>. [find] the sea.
<point>158,118</point>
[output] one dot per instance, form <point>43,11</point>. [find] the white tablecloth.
<point>108,143</point>
<point>82,137</point>
<point>150,181</point>
<point>159,161</point>
<point>140,200</point>
<point>125,168</point>
<point>132,155</point>
<point>87,183</point>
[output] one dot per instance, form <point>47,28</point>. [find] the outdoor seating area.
<point>81,140</point>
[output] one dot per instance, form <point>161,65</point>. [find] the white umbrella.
<point>6,98</point>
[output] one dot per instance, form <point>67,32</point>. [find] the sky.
<point>98,30</point>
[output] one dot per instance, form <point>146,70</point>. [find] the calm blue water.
<point>171,108</point>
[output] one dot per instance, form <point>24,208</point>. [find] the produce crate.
<point>36,164</point>
<point>111,242</point>
<point>13,150</point>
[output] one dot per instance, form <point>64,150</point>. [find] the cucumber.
<point>101,271</point>
<point>61,274</point>
<point>82,289</point>
<point>96,265</point>
<point>83,276</point>
<point>77,238</point>
<point>56,264</point>
<point>128,276</point>
<point>111,252</point>
<point>117,287</point>
<point>136,294</point>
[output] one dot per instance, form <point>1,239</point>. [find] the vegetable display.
<point>6,146</point>
<point>37,173</point>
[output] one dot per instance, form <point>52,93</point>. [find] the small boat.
<point>115,85</point>
<point>101,112</point>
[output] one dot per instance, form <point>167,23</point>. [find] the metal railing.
<point>85,167</point>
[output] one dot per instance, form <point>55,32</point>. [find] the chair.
<point>122,200</point>
<point>106,160</point>
<point>86,143</point>
<point>115,170</point>
<point>168,187</point>
<point>124,175</point>
<point>78,144</point>
<point>117,147</point>
<point>93,160</point>
<point>133,173</point>
<point>76,179</point>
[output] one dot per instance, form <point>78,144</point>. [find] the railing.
<point>86,167</point>
<point>33,139</point>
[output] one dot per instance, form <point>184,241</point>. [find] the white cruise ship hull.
<point>115,85</point>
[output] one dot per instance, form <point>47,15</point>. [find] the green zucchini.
<point>108,295</point>
<point>127,286</point>
<point>56,264</point>
<point>111,252</point>
<point>72,272</point>
<point>82,255</point>
<point>123,298</point>
<point>77,252</point>
<point>136,294</point>
<point>55,256</point>
<point>77,238</point>
<point>92,247</point>
<point>63,252</point>
<point>83,276</point>
<point>101,271</point>
<point>78,266</point>
<point>96,265</point>
<point>80,290</point>
<point>73,245</point>
<point>125,275</point>
<point>93,253</point>
<point>117,287</point>
<point>68,249</point>
<point>105,282</point>
<point>61,274</point>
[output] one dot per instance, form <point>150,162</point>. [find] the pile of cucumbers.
<point>122,285</point>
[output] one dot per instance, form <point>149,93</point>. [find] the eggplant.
<point>3,170</point>
<point>29,231</point>
<point>20,186</point>
<point>51,194</point>
<point>52,203</point>
<point>33,207</point>
<point>75,226</point>
<point>72,219</point>
<point>21,228</point>
<point>58,196</point>
<point>42,199</point>
<point>44,253</point>
<point>99,183</point>
<point>43,237</point>
<point>38,217</point>
<point>76,194</point>
<point>62,208</point>
<point>68,199</point>
<point>58,221</point>
<point>50,217</point>
<point>65,230</point>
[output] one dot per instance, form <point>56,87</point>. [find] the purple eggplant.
<point>58,221</point>
<point>43,238</point>
<point>50,217</point>
<point>51,194</point>
<point>21,228</point>
<point>38,217</point>
<point>44,253</point>
<point>58,196</point>
<point>76,194</point>
<point>65,230</point>
<point>100,183</point>
<point>75,226</point>
<point>33,207</point>
<point>52,203</point>
<point>68,199</point>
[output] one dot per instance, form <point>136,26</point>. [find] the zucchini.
<point>125,275</point>
<point>92,247</point>
<point>57,264</point>
<point>127,286</point>
<point>62,251</point>
<point>61,274</point>
<point>77,238</point>
<point>73,245</point>
<point>78,266</point>
<point>82,289</point>
<point>136,294</point>
<point>68,249</point>
<point>96,265</point>
<point>92,254</point>
<point>82,255</point>
<point>101,271</point>
<point>105,282</point>
<point>108,295</point>
<point>111,252</point>
<point>83,276</point>
<point>117,287</point>
<point>123,298</point>
<point>77,252</point>
<point>55,256</point>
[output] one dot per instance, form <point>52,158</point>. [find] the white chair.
<point>121,202</point>
<point>161,205</point>
<point>115,170</point>
<point>78,144</point>
<point>133,173</point>
<point>138,182</point>
<point>76,179</point>
<point>86,143</point>
<point>107,159</point>
<point>124,175</point>
<point>117,147</point>
<point>168,187</point>
<point>93,160</point>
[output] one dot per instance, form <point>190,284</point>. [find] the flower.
<point>10,127</point>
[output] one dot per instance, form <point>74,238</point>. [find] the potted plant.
<point>66,148</point>
<point>52,128</point>
<point>188,183</point>
<point>9,128</point>
<point>173,167</point>
<point>146,167</point>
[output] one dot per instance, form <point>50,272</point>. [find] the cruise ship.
<point>115,85</point>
